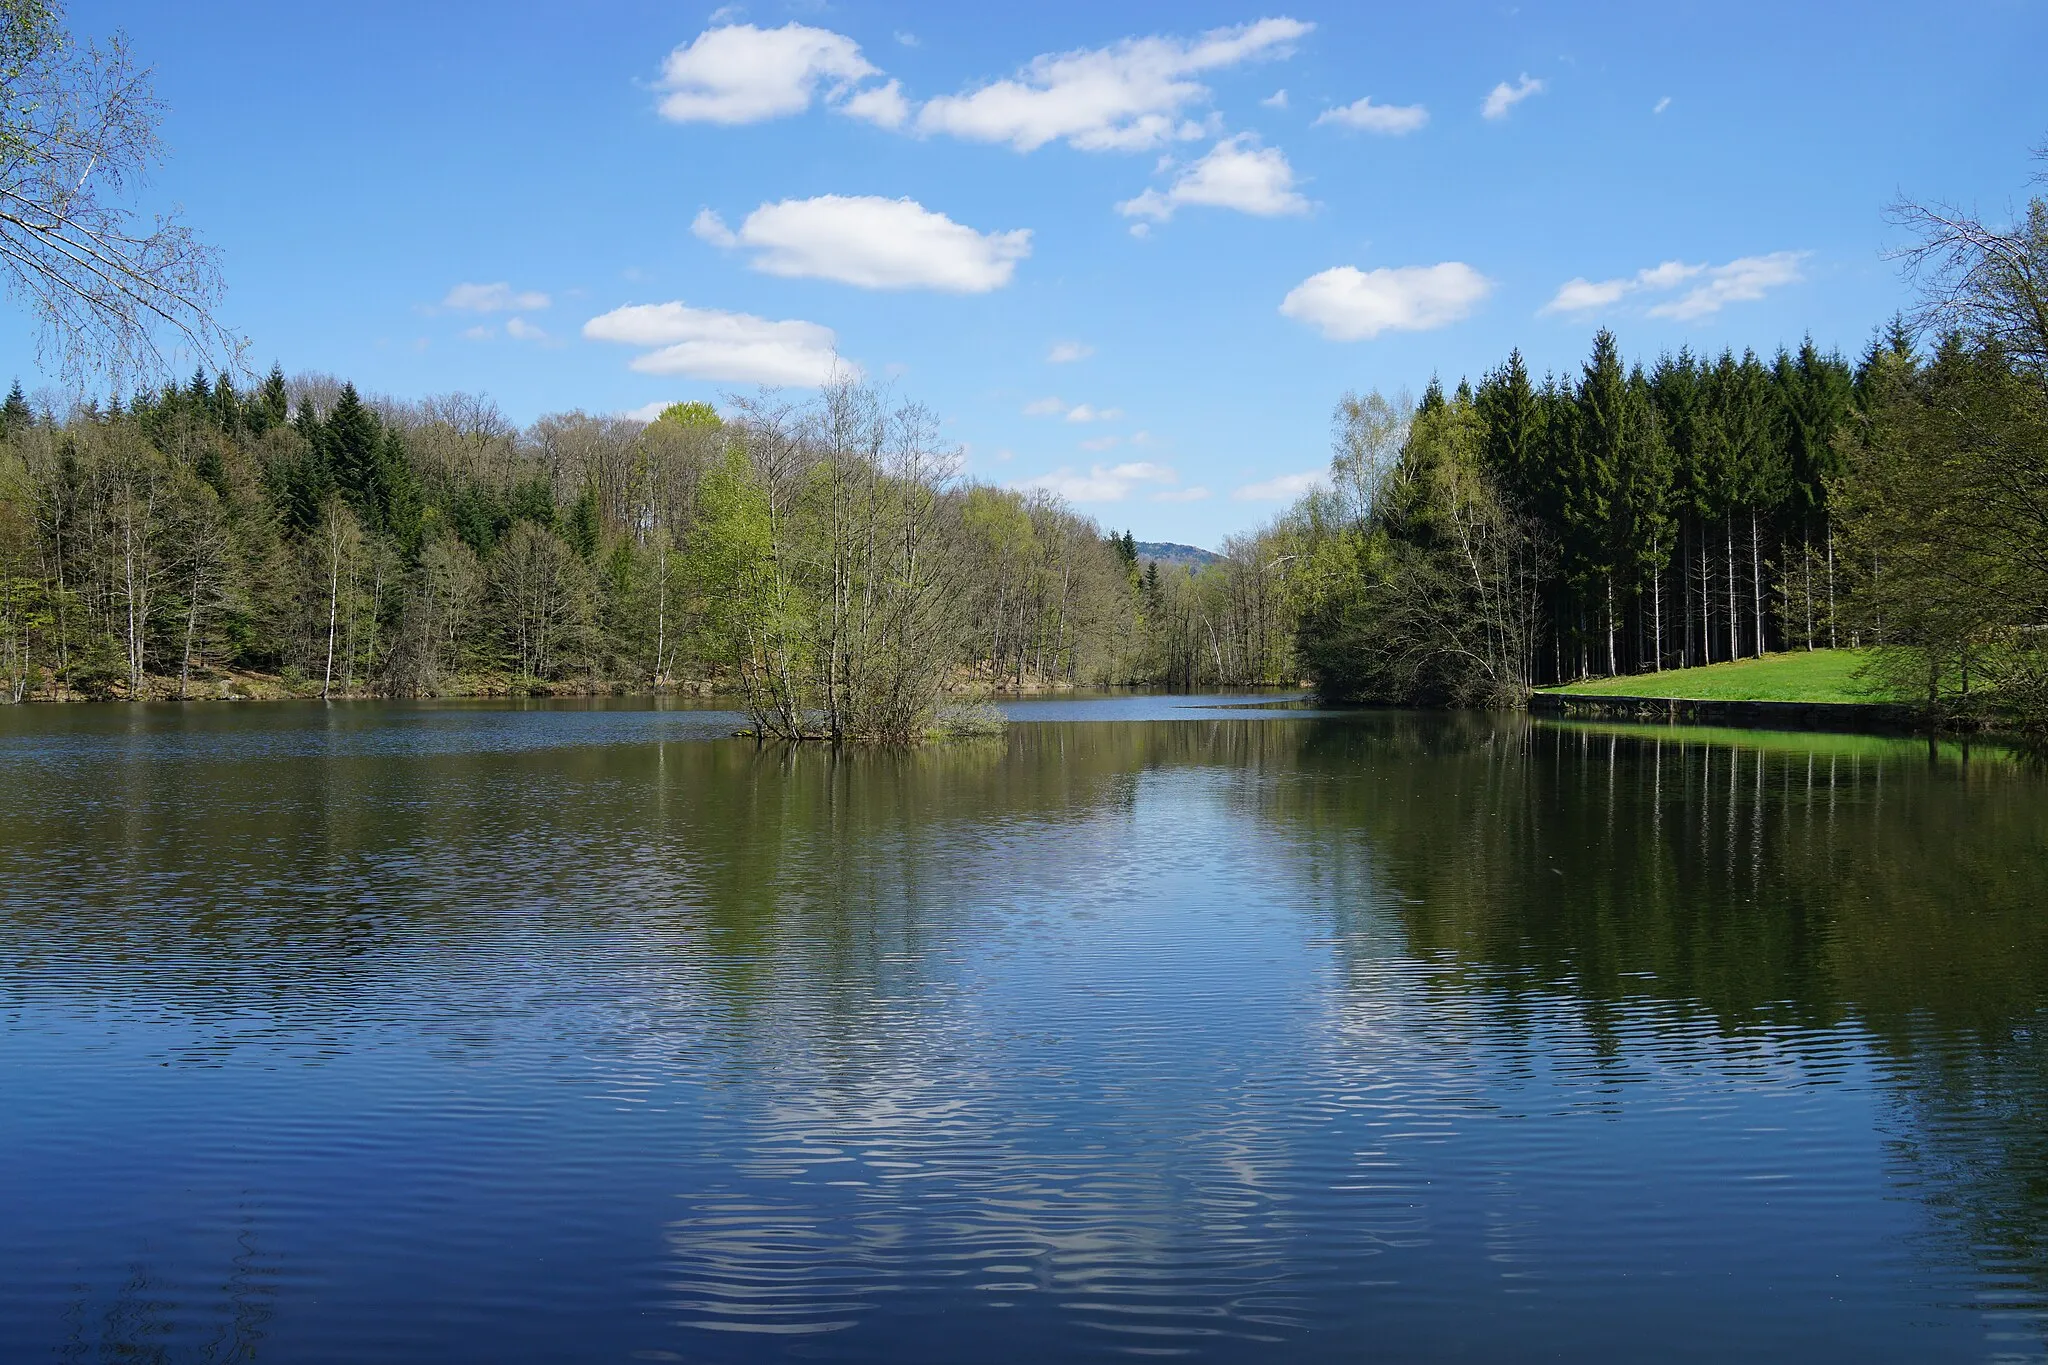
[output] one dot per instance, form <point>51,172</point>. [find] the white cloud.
<point>1740,281</point>
<point>1504,97</point>
<point>1586,296</point>
<point>872,242</point>
<point>1067,352</point>
<point>708,226</point>
<point>494,298</point>
<point>480,332</point>
<point>1276,100</point>
<point>1101,483</point>
<point>1349,304</point>
<point>743,74</point>
<point>708,343</point>
<point>1668,275</point>
<point>1075,412</point>
<point>1096,444</point>
<point>1126,97</point>
<point>1743,280</point>
<point>1395,120</point>
<point>1236,174</point>
<point>647,412</point>
<point>1195,494</point>
<point>1284,488</point>
<point>1662,105</point>
<point>883,106</point>
<point>519,329</point>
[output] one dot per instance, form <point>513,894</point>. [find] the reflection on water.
<point>581,1031</point>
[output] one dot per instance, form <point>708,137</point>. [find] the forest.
<point>824,560</point>
<point>1513,533</point>
<point>1474,545</point>
<point>298,538</point>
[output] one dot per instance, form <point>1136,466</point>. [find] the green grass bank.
<point>1820,676</point>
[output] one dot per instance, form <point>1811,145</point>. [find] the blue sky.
<point>1095,237</point>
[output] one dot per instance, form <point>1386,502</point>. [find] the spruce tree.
<point>1432,398</point>
<point>226,404</point>
<point>1676,388</point>
<point>15,414</point>
<point>352,441</point>
<point>1600,401</point>
<point>400,502</point>
<point>1640,524</point>
<point>273,402</point>
<point>1514,429</point>
<point>580,528</point>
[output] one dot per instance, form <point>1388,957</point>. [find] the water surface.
<point>1159,1026</point>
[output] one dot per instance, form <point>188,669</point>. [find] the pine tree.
<point>1596,453</point>
<point>1675,386</point>
<point>352,440</point>
<point>580,528</point>
<point>273,402</point>
<point>1759,476</point>
<point>1514,429</point>
<point>1432,398</point>
<point>226,404</point>
<point>400,502</point>
<point>15,414</point>
<point>1641,519</point>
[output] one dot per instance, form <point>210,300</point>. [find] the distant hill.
<point>1166,552</point>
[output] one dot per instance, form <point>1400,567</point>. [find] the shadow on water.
<point>513,1030</point>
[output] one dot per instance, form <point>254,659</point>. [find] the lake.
<point>553,1031</point>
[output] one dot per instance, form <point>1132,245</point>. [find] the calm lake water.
<point>582,1032</point>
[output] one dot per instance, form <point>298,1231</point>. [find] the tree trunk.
<point>1657,604</point>
<point>1806,556</point>
<point>1734,611</point>
<point>1685,595</point>
<point>1756,581</point>
<point>1831,582</point>
<point>333,606</point>
<point>191,624</point>
<point>1612,668</point>
<point>134,637</point>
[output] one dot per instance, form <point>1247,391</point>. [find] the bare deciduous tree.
<point>108,286</point>
<point>1981,278</point>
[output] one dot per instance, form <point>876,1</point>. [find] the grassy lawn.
<point>1821,675</point>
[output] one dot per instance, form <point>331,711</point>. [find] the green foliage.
<point>580,528</point>
<point>1945,530</point>
<point>691,415</point>
<point>730,557</point>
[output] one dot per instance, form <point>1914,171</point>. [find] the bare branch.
<point>116,295</point>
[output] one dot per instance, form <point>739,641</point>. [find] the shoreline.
<point>240,687</point>
<point>1845,717</point>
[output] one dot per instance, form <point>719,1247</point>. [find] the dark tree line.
<point>1517,532</point>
